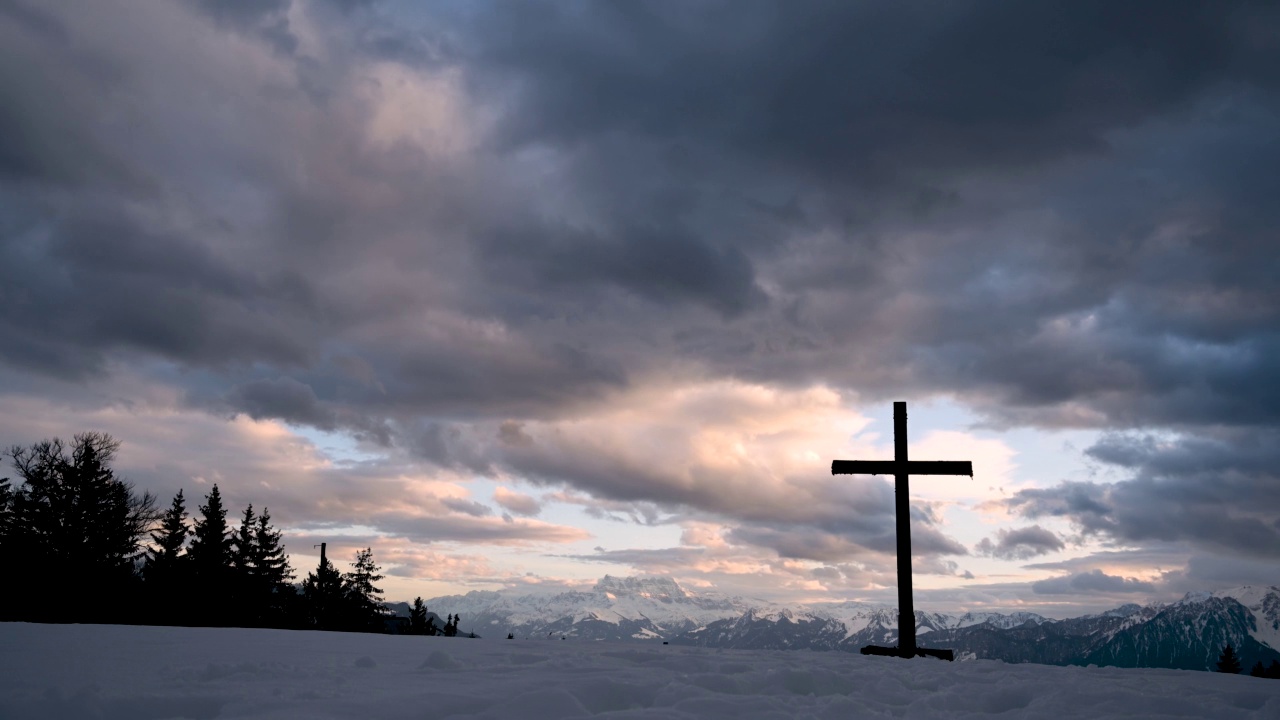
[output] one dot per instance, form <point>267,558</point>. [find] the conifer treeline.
<point>1229,662</point>
<point>103,553</point>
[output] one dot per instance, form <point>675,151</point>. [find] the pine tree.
<point>6,514</point>
<point>170,536</point>
<point>247,600</point>
<point>242,542</point>
<point>363,598</point>
<point>323,598</point>
<point>1273,670</point>
<point>211,557</point>
<point>1228,662</point>
<point>164,571</point>
<point>272,572</point>
<point>211,545</point>
<point>1258,670</point>
<point>9,547</point>
<point>418,617</point>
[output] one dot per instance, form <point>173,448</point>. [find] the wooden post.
<point>902,509</point>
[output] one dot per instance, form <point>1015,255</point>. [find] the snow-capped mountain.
<point>1264,603</point>
<point>616,608</point>
<point>1186,634</point>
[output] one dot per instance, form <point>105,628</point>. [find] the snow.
<point>1264,603</point>
<point>107,671</point>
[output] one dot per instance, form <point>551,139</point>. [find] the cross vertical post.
<point>902,468</point>
<point>902,511</point>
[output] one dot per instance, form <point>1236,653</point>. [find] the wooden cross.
<point>900,468</point>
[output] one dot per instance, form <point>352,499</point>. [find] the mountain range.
<point>1187,634</point>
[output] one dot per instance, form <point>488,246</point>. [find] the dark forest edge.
<point>84,547</point>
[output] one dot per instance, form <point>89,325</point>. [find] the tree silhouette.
<point>6,515</point>
<point>274,596</point>
<point>245,596</point>
<point>242,542</point>
<point>165,570</point>
<point>323,599</point>
<point>211,559</point>
<point>364,600</point>
<point>170,537</point>
<point>418,617</point>
<point>74,524</point>
<point>1228,662</point>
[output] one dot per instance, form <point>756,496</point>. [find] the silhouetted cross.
<point>900,468</point>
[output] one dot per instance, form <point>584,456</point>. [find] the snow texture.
<point>59,672</point>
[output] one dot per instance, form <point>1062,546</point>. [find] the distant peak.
<point>642,586</point>
<point>1124,610</point>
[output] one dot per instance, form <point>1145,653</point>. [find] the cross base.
<point>949,655</point>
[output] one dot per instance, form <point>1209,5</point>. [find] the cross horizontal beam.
<point>919,652</point>
<point>893,467</point>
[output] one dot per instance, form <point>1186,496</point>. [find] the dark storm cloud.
<point>1022,316</point>
<point>698,142</point>
<point>863,89</point>
<point>658,262</point>
<point>1091,583</point>
<point>1020,544</point>
<point>284,398</point>
<point>1219,491</point>
<point>1216,571</point>
<point>99,280</point>
<point>265,18</point>
<point>34,19</point>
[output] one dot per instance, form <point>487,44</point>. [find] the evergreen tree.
<point>9,545</point>
<point>418,617</point>
<point>1273,670</point>
<point>211,550</point>
<point>364,600</point>
<point>170,536</point>
<point>6,514</point>
<point>1258,670</point>
<point>272,572</point>
<point>75,524</point>
<point>166,563</point>
<point>323,598</point>
<point>211,557</point>
<point>242,542</point>
<point>1228,662</point>
<point>431,627</point>
<point>247,600</point>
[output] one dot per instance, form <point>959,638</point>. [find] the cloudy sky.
<point>521,294</point>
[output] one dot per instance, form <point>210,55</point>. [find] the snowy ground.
<point>49,672</point>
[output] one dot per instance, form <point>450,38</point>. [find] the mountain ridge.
<point>1187,633</point>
